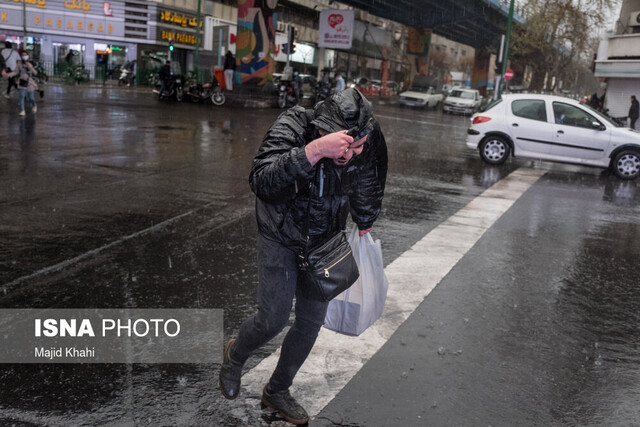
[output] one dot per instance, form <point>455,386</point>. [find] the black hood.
<point>347,110</point>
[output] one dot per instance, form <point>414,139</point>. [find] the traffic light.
<point>291,46</point>
<point>498,69</point>
<point>171,45</point>
<point>285,48</point>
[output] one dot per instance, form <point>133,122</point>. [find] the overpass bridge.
<point>477,23</point>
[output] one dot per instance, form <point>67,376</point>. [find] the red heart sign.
<point>335,20</point>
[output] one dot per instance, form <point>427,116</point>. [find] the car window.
<point>490,105</point>
<point>461,94</point>
<point>570,115</point>
<point>533,109</point>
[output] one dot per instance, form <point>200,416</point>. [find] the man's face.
<point>354,149</point>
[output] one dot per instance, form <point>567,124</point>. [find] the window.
<point>533,109</point>
<point>570,115</point>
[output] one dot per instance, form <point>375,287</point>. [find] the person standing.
<point>164,75</point>
<point>229,69</point>
<point>27,84</point>
<point>10,57</point>
<point>634,112</point>
<point>334,154</point>
<point>339,83</point>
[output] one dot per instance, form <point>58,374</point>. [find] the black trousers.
<point>277,286</point>
<point>11,82</point>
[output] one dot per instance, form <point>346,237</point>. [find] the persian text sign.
<point>110,335</point>
<point>336,29</point>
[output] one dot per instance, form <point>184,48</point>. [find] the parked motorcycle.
<point>197,92</point>
<point>76,74</point>
<point>41,78</point>
<point>127,77</point>
<point>173,89</point>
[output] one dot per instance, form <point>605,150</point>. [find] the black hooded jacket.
<point>283,179</point>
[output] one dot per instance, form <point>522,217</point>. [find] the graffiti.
<point>255,42</point>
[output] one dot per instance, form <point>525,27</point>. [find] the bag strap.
<point>304,232</point>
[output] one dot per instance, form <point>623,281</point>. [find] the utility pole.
<point>24,20</point>
<point>196,56</point>
<point>505,56</point>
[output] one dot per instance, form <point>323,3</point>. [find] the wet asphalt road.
<point>111,199</point>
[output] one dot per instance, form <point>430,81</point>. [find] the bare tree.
<point>558,38</point>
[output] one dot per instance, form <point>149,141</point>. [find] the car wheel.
<point>494,150</point>
<point>626,165</point>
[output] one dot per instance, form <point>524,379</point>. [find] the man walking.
<point>10,57</point>
<point>334,155</point>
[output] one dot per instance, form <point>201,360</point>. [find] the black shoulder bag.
<point>328,269</point>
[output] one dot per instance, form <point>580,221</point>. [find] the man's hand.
<point>333,146</point>
<point>363,232</point>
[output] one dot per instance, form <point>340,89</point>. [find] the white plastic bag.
<point>357,308</point>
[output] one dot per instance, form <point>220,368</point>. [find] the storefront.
<point>61,33</point>
<point>175,35</point>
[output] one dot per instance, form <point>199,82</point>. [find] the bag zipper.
<point>326,270</point>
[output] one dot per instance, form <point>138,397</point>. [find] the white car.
<point>553,128</point>
<point>460,100</point>
<point>421,97</point>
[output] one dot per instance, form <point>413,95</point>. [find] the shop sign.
<point>178,19</point>
<point>54,16</point>
<point>336,29</point>
<point>177,36</point>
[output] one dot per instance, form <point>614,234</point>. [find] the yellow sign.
<point>76,4</point>
<point>71,25</point>
<point>179,37</point>
<point>40,4</point>
<point>181,20</point>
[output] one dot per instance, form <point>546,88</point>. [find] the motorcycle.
<point>173,88</point>
<point>197,92</point>
<point>76,74</point>
<point>286,95</point>
<point>41,77</point>
<point>126,77</point>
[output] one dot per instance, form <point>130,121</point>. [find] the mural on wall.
<point>480,74</point>
<point>255,42</point>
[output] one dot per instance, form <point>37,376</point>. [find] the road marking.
<point>7,287</point>
<point>336,358</point>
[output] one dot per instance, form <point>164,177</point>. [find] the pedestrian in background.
<point>339,83</point>
<point>164,75</point>
<point>634,112</point>
<point>229,69</point>
<point>335,155</point>
<point>27,84</point>
<point>10,57</point>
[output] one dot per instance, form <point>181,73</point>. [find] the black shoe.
<point>230,373</point>
<point>284,403</point>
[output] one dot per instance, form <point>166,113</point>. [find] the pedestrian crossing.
<point>336,358</point>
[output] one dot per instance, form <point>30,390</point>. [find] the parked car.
<point>422,93</point>
<point>461,100</point>
<point>553,128</point>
